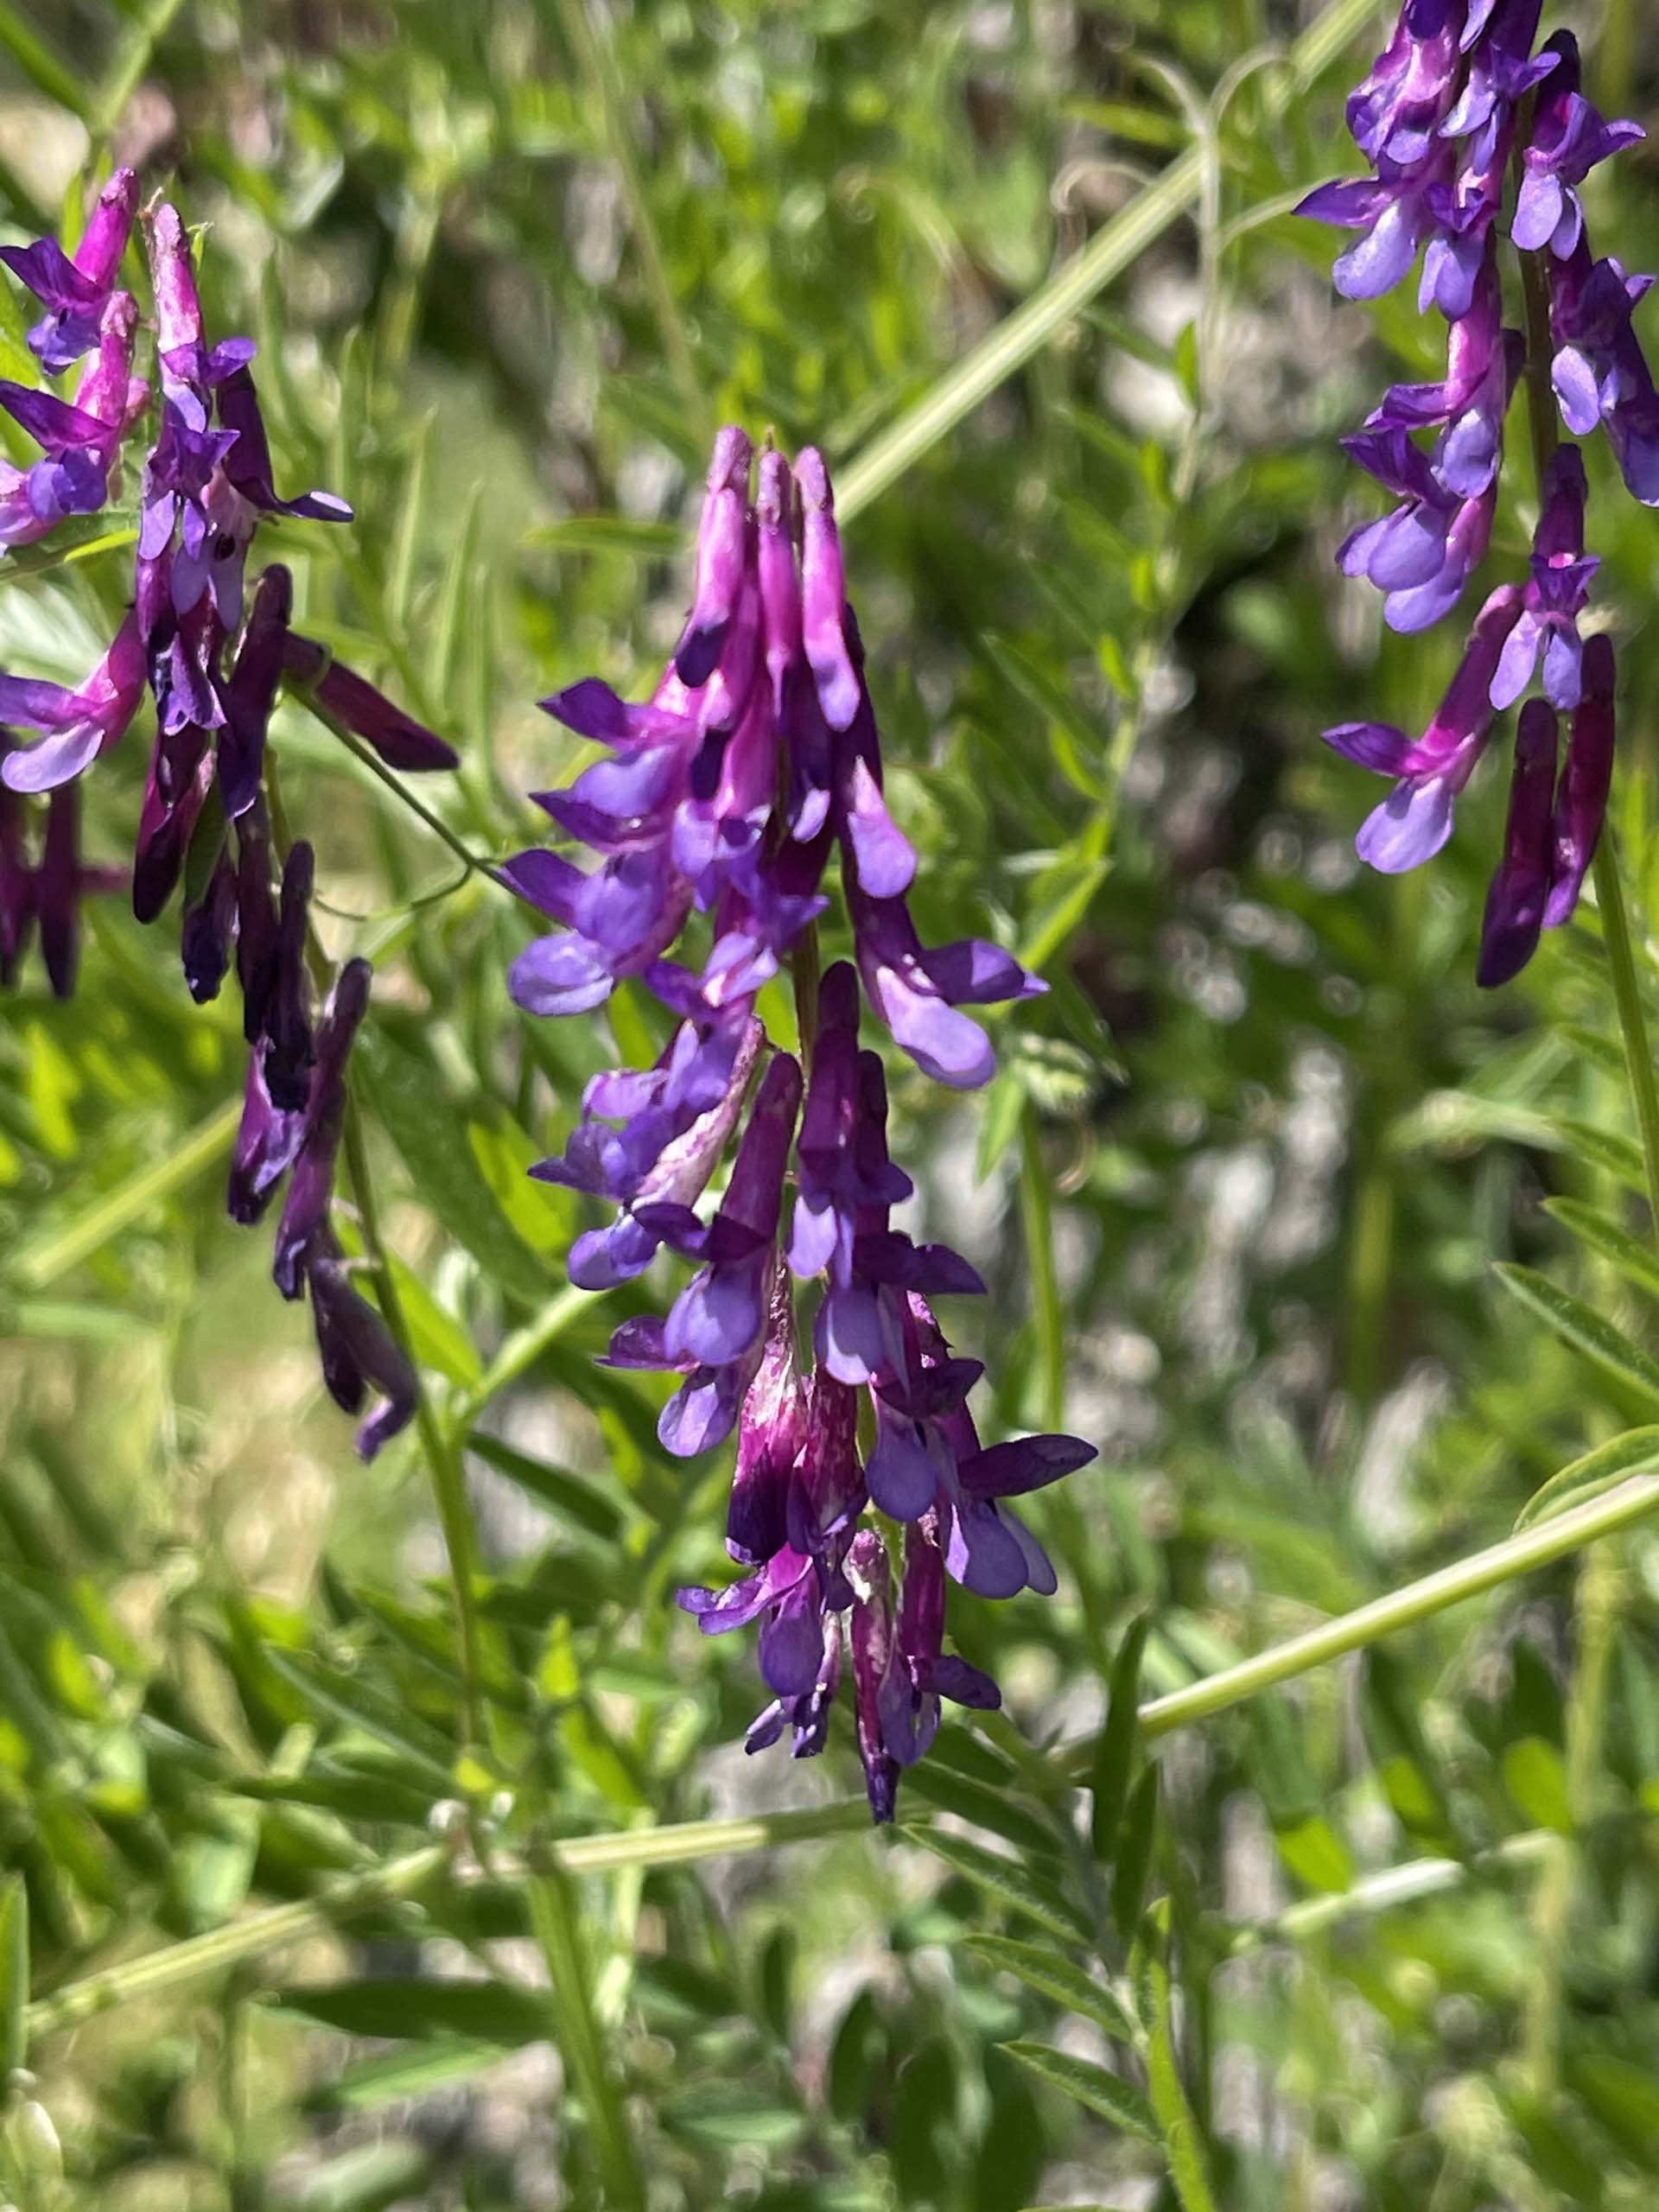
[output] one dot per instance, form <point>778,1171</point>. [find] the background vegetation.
<point>1385,1935</point>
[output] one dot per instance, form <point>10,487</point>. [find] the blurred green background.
<point>1238,1188</point>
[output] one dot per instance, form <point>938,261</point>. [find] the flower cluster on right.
<point>1456,106</point>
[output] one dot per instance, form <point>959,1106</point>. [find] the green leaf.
<point>414,2009</point>
<point>1013,1883</point>
<point>925,2127</point>
<point>1092,2087</point>
<point>1580,1327</point>
<point>1536,1777</point>
<point>1115,1751</point>
<point>1182,2144</point>
<point>447,1179</point>
<point>556,1916</point>
<point>1633,1453</point>
<point>1316,1854</point>
<point>639,541</point>
<point>569,1496</point>
<point>1134,1853</point>
<point>1635,1260</point>
<point>985,1808</point>
<point>14,1976</point>
<point>1053,1975</point>
<point>393,2075</point>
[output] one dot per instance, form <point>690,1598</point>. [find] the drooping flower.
<point>755,761</point>
<point>77,725</point>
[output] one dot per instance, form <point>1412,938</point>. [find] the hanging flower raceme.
<point>716,811</point>
<point>1457,102</point>
<point>213,657</point>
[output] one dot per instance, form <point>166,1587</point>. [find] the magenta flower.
<point>75,289</point>
<point>76,726</point>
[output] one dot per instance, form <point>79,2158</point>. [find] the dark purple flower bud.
<point>722,558</point>
<point>16,881</point>
<point>357,1350</point>
<point>75,288</point>
<point>1515,903</point>
<point>250,692</point>
<point>1415,819</point>
<point>76,726</point>
<point>247,462</point>
<point>181,777</point>
<point>257,931</point>
<point>205,929</point>
<point>916,989</point>
<point>871,1578</point>
<point>1568,138</point>
<point>291,1055</point>
<point>400,740</point>
<point>306,1210</point>
<point>770,1433</point>
<point>57,890</point>
<point>918,1672</point>
<point>1581,800</point>
<point>1556,596</point>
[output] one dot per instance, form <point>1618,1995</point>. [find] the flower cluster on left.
<point>210,654</point>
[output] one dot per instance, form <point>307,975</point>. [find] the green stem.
<point>557,1923</point>
<point>1395,1885</point>
<point>180,1964</point>
<point>36,1265</point>
<point>1627,997</point>
<point>1012,343</point>
<point>1419,1601</point>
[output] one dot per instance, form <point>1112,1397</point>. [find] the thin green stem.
<point>1396,1886</point>
<point>180,1964</point>
<point>1419,1601</point>
<point>806,969</point>
<point>38,1264</point>
<point>1015,340</point>
<point>557,1920</point>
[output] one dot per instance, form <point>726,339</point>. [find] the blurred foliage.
<point>1384,1938</point>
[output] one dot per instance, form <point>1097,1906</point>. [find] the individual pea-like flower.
<point>46,896</point>
<point>76,726</point>
<point>75,289</point>
<point>78,439</point>
<point>1459,98</point>
<point>718,806</point>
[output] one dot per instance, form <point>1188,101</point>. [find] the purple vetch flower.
<point>251,691</point>
<point>76,726</point>
<point>78,439</point>
<point>175,790</point>
<point>267,1144</point>
<point>1586,777</point>
<point>358,1351</point>
<point>400,740</point>
<point>59,881</point>
<point>1555,594</point>
<point>291,1054</point>
<point>1520,887</point>
<point>1415,819</point>
<point>305,1212</point>
<point>714,1330</point>
<point>1395,114</point>
<point>916,989</point>
<point>1457,100</point>
<point>676,1122</point>
<point>1599,371</point>
<point>74,288</point>
<point>1569,137</point>
<point>205,928</point>
<point>725,794</point>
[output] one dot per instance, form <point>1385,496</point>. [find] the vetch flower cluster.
<point>724,796</point>
<point>211,657</point>
<point>1460,119</point>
